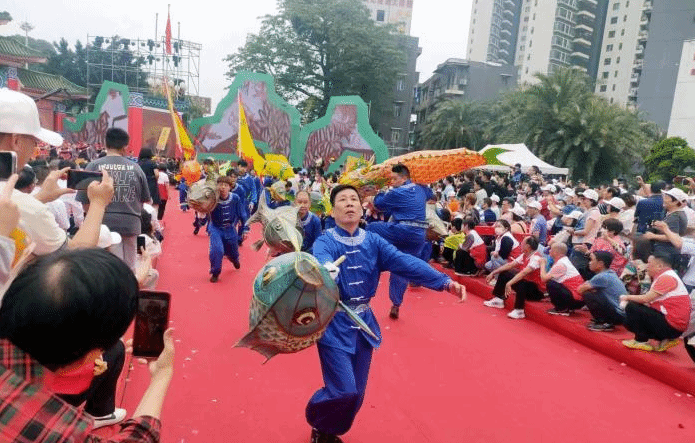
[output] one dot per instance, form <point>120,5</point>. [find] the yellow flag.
<point>183,142</point>
<point>245,146</point>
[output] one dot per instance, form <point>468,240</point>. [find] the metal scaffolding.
<point>124,60</point>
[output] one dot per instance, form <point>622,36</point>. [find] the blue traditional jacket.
<point>228,212</point>
<point>312,229</point>
<point>367,256</point>
<point>405,203</point>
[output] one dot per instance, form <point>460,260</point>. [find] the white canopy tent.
<point>519,153</point>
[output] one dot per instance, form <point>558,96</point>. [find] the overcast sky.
<point>221,27</point>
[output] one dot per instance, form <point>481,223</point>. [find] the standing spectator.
<point>585,232</point>
<point>149,167</point>
<point>163,188</point>
<point>650,208</point>
<point>130,192</point>
<point>480,192</point>
<point>602,293</point>
<point>663,313</point>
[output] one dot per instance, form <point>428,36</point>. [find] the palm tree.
<point>456,124</point>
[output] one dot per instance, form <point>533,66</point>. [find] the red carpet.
<point>447,372</point>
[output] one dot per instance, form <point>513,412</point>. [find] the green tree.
<point>669,158</point>
<point>317,49</point>
<point>456,124</point>
<point>563,122</point>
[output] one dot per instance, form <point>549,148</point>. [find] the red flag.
<point>168,35</point>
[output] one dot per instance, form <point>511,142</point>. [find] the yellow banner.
<point>163,138</point>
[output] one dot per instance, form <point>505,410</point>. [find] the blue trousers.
<point>333,408</point>
<point>408,240</point>
<point>223,243</point>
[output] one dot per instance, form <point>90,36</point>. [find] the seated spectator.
<point>506,246</point>
<point>685,246</point>
<point>453,242</point>
<point>506,209</point>
<point>609,240</point>
<point>58,316</point>
<point>602,293</point>
<point>635,276</point>
<point>585,232</point>
<point>673,201</point>
<point>539,225</point>
<point>562,281</point>
<point>518,225</point>
<point>472,253</point>
<point>523,276</point>
<point>488,215</point>
<point>564,236</point>
<point>663,313</point>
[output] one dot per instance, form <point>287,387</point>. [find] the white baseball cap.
<point>616,202</point>
<point>677,194</point>
<point>590,194</point>
<point>495,198</point>
<point>518,211</point>
<point>19,115</point>
<point>569,192</point>
<point>534,205</point>
<point>575,215</point>
<point>108,238</point>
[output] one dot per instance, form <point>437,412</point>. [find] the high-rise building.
<point>672,23</point>
<point>493,31</point>
<point>393,125</point>
<point>396,12</point>
<point>559,33</point>
<point>622,51</point>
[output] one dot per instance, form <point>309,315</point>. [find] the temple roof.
<point>13,49</point>
<point>41,81</point>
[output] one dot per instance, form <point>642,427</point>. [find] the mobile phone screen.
<point>8,164</point>
<point>141,244</point>
<point>151,320</point>
<point>80,180</point>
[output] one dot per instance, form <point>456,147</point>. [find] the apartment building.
<point>493,31</point>
<point>622,51</point>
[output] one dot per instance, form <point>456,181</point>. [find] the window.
<point>615,74</point>
<point>395,135</point>
<point>622,32</point>
<point>606,74</point>
<point>609,48</point>
<point>614,87</point>
<point>607,61</point>
<point>400,84</point>
<point>625,18</point>
<point>620,46</point>
<point>614,20</point>
<point>616,6</point>
<point>397,110</point>
<point>611,34</point>
<point>617,60</point>
<point>602,88</point>
<point>380,13</point>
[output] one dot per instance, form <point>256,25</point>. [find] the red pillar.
<point>135,104</point>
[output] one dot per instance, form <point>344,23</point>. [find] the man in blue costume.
<point>311,224</point>
<point>248,182</point>
<point>406,203</point>
<point>345,352</point>
<point>222,228</point>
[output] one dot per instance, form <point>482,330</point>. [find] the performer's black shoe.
<point>236,264</point>
<point>196,230</point>
<point>321,437</point>
<point>214,278</point>
<point>394,312</point>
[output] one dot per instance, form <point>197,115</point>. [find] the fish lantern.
<point>280,231</point>
<point>294,300</point>
<point>202,197</point>
<point>191,170</point>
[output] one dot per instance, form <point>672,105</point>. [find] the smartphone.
<point>8,164</point>
<point>80,180</point>
<point>140,244</point>
<point>151,320</point>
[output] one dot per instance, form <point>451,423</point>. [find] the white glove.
<point>332,269</point>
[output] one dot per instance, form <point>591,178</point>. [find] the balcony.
<point>639,51</point>
<point>507,22</point>
<point>638,64</point>
<point>579,54</point>
<point>509,3</point>
<point>586,13</point>
<point>642,36</point>
<point>503,51</point>
<point>504,42</point>
<point>508,12</point>
<point>585,27</point>
<point>633,92</point>
<point>580,68</point>
<point>647,6</point>
<point>582,41</point>
<point>505,31</point>
<point>591,2</point>
<point>635,77</point>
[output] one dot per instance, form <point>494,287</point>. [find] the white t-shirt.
<point>38,222</point>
